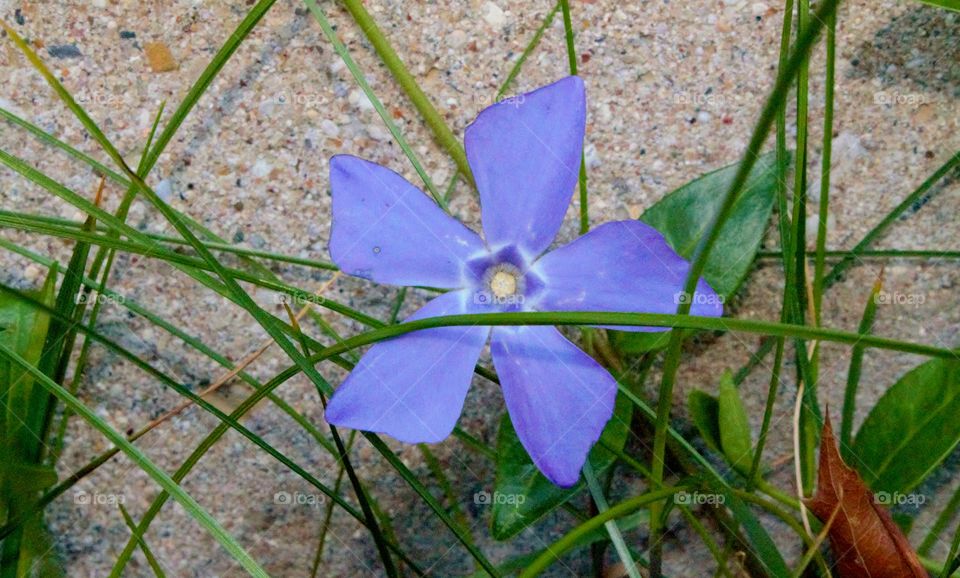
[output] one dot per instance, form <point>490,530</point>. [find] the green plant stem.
<point>155,472</point>
<point>527,51</point>
<point>572,60</point>
<point>947,514</point>
<point>441,132</point>
<point>825,164</point>
<point>910,201</point>
<point>341,49</point>
<point>932,254</point>
<point>672,360</point>
<point>611,525</point>
<point>853,374</point>
<point>558,548</point>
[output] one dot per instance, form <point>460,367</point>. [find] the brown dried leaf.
<point>866,543</point>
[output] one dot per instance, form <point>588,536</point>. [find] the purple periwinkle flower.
<point>525,157</point>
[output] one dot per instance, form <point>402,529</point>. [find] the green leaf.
<point>684,215</point>
<point>734,425</point>
<point>912,428</point>
<point>528,495</point>
<point>23,329</point>
<point>948,4</point>
<point>705,414</point>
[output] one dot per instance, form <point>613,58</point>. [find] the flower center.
<point>503,284</point>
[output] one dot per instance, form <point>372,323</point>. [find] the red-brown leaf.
<point>866,543</point>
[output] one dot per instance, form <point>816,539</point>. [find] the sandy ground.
<point>673,91</point>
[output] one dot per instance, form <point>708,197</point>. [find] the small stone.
<point>358,99</point>
<point>261,168</point>
<point>458,38</point>
<point>494,15</point>
<point>329,128</point>
<point>703,116</point>
<point>32,272</point>
<point>164,190</point>
<point>127,34</point>
<point>591,157</point>
<point>159,57</point>
<point>64,51</point>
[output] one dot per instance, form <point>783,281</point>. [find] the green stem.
<point>558,548</point>
<point>441,132</point>
<point>341,49</point>
<point>825,164</point>
<point>672,361</point>
<point>612,529</point>
<point>582,176</point>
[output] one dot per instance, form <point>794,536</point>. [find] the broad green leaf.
<point>734,425</point>
<point>911,429</point>
<point>23,328</point>
<point>525,495</point>
<point>948,4</point>
<point>705,414</point>
<point>684,215</point>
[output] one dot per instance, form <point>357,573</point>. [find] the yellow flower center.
<point>503,284</point>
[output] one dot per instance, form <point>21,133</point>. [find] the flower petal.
<point>387,230</point>
<point>412,387</point>
<point>525,156</point>
<point>619,266</point>
<point>558,397</point>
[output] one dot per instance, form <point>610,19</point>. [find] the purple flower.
<point>525,157</point>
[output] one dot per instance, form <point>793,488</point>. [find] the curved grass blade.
<point>144,463</point>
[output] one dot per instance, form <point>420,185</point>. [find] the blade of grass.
<point>344,459</point>
<point>441,132</point>
<point>853,374</point>
<point>209,73</point>
<point>227,421</point>
<point>559,547</point>
<point>144,463</point>
<point>910,201</point>
<point>147,553</point>
<point>527,51</point>
<point>572,60</point>
<point>672,360</point>
<point>825,163</point>
<point>358,76</point>
<point>107,255</point>
<point>611,525</point>
<point>944,518</point>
